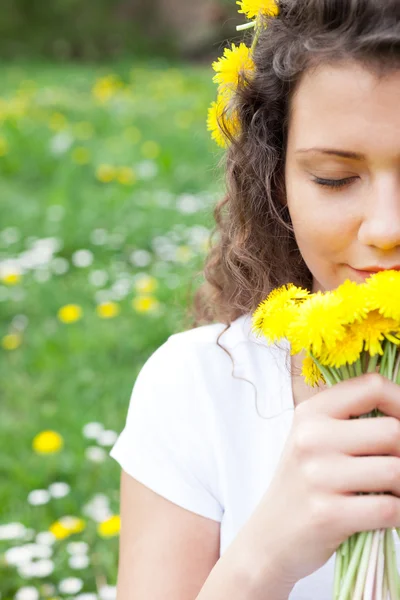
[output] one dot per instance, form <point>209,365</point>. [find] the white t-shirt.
<point>193,433</point>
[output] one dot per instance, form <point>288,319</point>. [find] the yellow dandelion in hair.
<point>384,293</point>
<point>70,313</point>
<point>218,116</point>
<point>235,60</point>
<point>316,324</point>
<point>47,442</point>
<point>344,353</point>
<point>374,329</point>
<point>252,8</point>
<point>109,527</point>
<point>273,315</point>
<point>311,373</point>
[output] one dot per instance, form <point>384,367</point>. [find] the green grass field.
<point>108,180</point>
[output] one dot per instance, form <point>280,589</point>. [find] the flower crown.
<point>235,61</point>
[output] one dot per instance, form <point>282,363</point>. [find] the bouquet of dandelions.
<point>344,333</point>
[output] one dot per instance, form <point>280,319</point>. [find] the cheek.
<point>324,228</point>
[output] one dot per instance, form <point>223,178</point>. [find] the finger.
<point>372,474</point>
<point>358,396</point>
<point>369,512</point>
<point>359,437</point>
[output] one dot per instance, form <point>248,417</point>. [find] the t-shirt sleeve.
<point>167,442</point>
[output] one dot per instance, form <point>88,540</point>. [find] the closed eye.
<point>334,183</point>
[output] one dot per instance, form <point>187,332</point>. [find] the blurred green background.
<point>108,180</point>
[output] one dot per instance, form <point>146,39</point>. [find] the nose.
<point>380,226</point>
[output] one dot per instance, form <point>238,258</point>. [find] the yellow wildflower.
<point>106,87</point>
<point>183,254</point>
<point>106,173</point>
<point>150,149</point>
<point>66,526</point>
<point>47,442</point>
<point>384,291</point>
<point>355,301</point>
<point>144,304</point>
<point>273,315</point>
<point>146,284</point>
<point>11,341</point>
<point>343,352</point>
<point>219,117</point>
<point>125,175</point>
<point>251,8</point>
<point>11,278</point>
<point>228,68</point>
<point>109,527</point>
<point>374,329</point>
<point>80,155</point>
<point>70,313</point>
<point>108,310</point>
<point>311,373</point>
<point>316,325</point>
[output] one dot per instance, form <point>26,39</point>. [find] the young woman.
<point>239,482</point>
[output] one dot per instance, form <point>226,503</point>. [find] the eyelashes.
<point>334,183</point>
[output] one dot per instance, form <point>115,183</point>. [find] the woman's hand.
<point>311,505</point>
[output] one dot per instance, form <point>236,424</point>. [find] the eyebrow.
<point>333,152</point>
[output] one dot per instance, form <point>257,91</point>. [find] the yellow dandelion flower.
<point>145,304</point>
<point>125,175</point>
<point>374,329</point>
<point>311,373</point>
<point>146,284</point>
<point>106,173</point>
<point>70,313</point>
<point>184,254</point>
<point>11,341</point>
<point>355,301</point>
<point>150,150</point>
<point>106,87</point>
<point>317,324</point>
<point>80,155</point>
<point>252,8</point>
<point>346,351</point>
<point>219,116</point>
<point>3,146</point>
<point>384,292</point>
<point>235,60</point>
<point>108,310</point>
<point>109,527</point>
<point>47,442</point>
<point>66,526</point>
<point>59,531</point>
<point>11,278</point>
<point>273,315</point>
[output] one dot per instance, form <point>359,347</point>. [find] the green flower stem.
<point>372,363</point>
<point>362,569</point>
<point>358,367</point>
<point>338,574</point>
<point>245,26</point>
<point>391,566</point>
<point>330,377</point>
<point>354,563</point>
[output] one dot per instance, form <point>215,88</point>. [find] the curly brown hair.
<point>256,250</point>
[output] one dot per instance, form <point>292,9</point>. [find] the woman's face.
<point>345,128</point>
